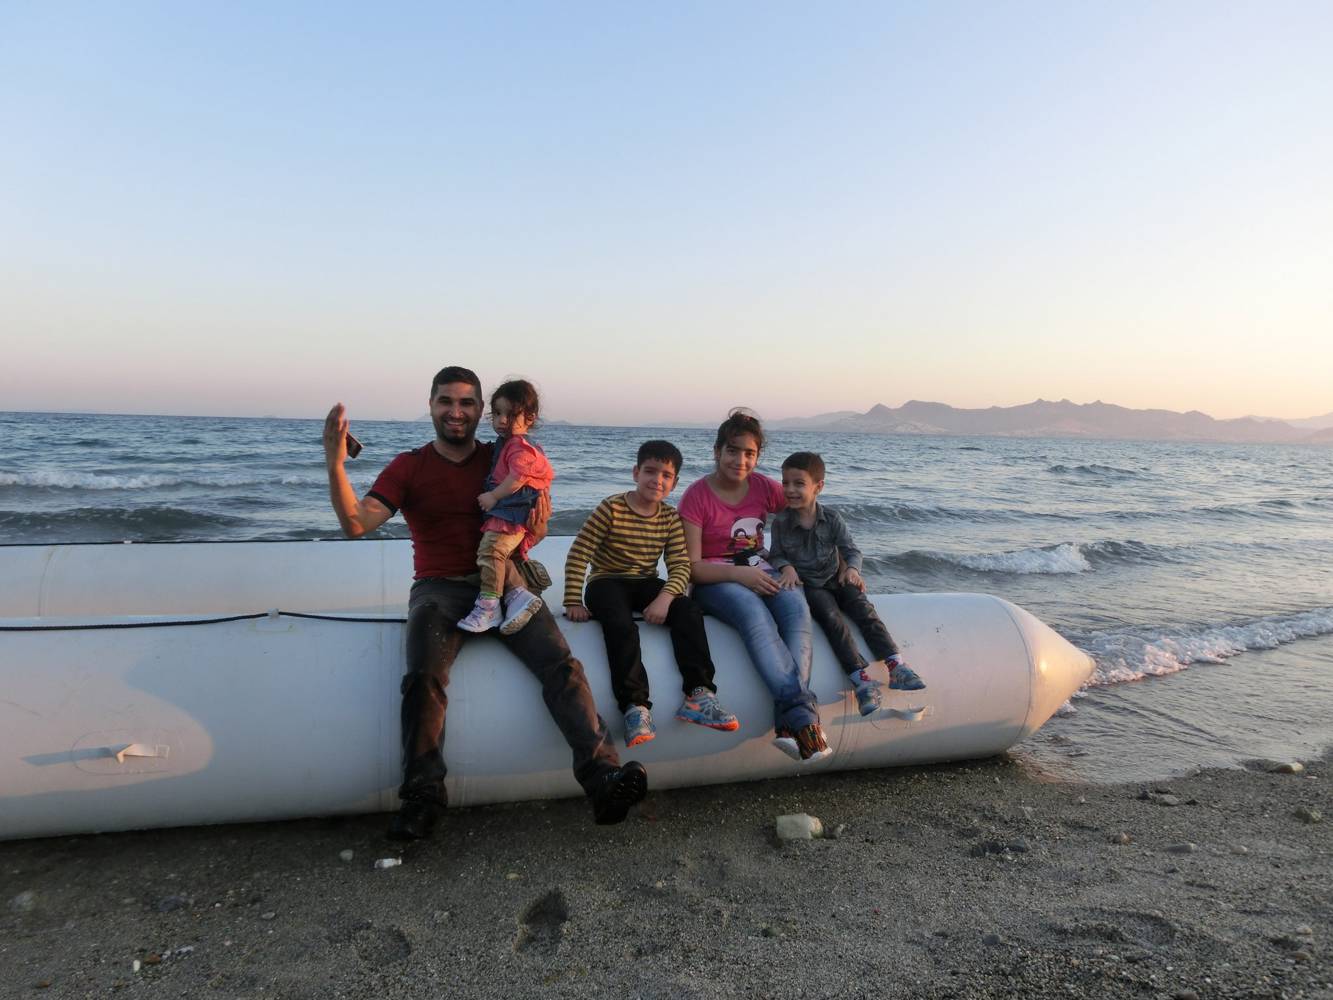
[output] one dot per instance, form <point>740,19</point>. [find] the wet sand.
<point>965,880</point>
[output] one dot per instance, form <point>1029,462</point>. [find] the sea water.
<point>1198,576</point>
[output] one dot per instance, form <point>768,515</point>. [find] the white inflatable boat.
<point>181,684</point>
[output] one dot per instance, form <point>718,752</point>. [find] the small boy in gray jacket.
<point>804,545</point>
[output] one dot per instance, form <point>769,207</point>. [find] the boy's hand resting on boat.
<point>577,613</point>
<point>758,580</point>
<point>851,576</point>
<point>788,580</point>
<point>656,612</point>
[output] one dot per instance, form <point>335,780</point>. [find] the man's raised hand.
<point>335,435</point>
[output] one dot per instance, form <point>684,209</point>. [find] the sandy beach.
<point>983,879</point>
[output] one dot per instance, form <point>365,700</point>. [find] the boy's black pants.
<point>613,601</point>
<point>827,605</point>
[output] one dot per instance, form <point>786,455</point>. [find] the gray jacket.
<point>812,552</point>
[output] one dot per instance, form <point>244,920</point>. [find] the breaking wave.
<point>1133,655</point>
<point>878,514</point>
<point>61,479</point>
<point>1066,557</point>
<point>88,524</point>
<point>1094,471</point>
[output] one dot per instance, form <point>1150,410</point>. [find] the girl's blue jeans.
<point>776,631</point>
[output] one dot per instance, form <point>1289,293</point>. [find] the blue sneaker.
<point>867,691</point>
<point>902,677</point>
<point>639,726</point>
<point>703,709</point>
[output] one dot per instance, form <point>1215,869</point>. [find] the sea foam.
<point>64,480</point>
<point>1094,470</point>
<point>1054,559</point>
<point>1066,558</point>
<point>1051,560</point>
<point>1131,656</point>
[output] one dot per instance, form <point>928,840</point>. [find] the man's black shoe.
<point>617,791</point>
<point>415,820</point>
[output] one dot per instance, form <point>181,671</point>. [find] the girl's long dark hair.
<point>740,421</point>
<point>521,395</point>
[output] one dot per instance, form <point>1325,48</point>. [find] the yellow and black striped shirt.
<point>619,542</point>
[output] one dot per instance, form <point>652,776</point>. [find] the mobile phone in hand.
<point>353,445</point>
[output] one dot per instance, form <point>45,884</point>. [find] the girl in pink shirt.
<point>724,515</point>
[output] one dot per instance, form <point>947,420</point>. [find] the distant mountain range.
<point>1309,423</point>
<point>1043,418</point>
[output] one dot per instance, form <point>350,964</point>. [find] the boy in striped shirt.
<point>623,539</point>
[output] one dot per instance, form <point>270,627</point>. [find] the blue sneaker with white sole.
<point>703,709</point>
<point>902,677</point>
<point>639,726</point>
<point>867,691</point>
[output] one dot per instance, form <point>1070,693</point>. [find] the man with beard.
<point>436,487</point>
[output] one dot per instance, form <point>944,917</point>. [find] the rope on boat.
<point>275,613</point>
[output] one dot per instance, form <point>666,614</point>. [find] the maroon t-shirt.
<point>438,499</point>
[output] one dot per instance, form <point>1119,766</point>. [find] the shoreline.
<point>974,879</point>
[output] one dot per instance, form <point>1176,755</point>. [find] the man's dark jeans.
<point>613,601</point>
<point>827,606</point>
<point>433,642</point>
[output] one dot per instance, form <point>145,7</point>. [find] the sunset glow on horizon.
<point>660,213</point>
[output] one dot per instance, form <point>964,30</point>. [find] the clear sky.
<point>660,211</point>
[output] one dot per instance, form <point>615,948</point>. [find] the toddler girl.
<point>519,472</point>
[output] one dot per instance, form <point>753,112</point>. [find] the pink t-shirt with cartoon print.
<point>733,533</point>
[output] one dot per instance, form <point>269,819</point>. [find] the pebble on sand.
<point>1160,796</point>
<point>799,826</point>
<point>1185,848</point>
<point>347,855</point>
<point>1308,814</point>
<point>1122,838</point>
<point>24,902</point>
<point>1290,767</point>
<point>388,862</point>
